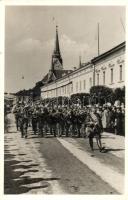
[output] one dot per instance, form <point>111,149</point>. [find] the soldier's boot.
<point>22,134</point>
<point>99,144</point>
<point>26,135</point>
<point>91,143</point>
<point>17,127</point>
<point>78,133</point>
<point>58,131</point>
<point>42,133</point>
<point>34,130</point>
<point>67,134</point>
<point>54,132</point>
<point>50,129</point>
<point>62,130</point>
<point>67,131</point>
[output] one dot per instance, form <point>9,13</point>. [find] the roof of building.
<point>57,73</point>
<point>107,53</point>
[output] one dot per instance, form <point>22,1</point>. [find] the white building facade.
<point>110,67</point>
<point>107,69</point>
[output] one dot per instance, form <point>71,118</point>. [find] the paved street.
<point>62,165</point>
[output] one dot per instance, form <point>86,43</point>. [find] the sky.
<point>30,38</point>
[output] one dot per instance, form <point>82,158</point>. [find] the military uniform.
<point>41,120</point>
<point>60,123</point>
<point>94,129</point>
<point>67,122</point>
<point>34,120</point>
<point>16,112</point>
<point>74,122</point>
<point>78,123</point>
<point>53,120</point>
<point>23,121</point>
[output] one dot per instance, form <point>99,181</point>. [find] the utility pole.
<point>122,24</point>
<point>80,61</point>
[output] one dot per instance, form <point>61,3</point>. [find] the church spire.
<point>57,63</point>
<point>57,47</point>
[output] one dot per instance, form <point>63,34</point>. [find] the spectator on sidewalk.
<point>105,118</point>
<point>110,120</point>
<point>118,121</point>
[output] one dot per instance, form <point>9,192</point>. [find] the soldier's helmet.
<point>45,109</point>
<point>60,109</point>
<point>53,111</point>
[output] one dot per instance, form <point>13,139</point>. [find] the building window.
<point>68,88</point>
<point>97,79</point>
<point>103,77</point>
<point>111,75</point>
<point>120,72</point>
<point>71,87</point>
<point>65,89</point>
<point>84,84</point>
<point>80,85</point>
<point>90,82</point>
<point>76,86</point>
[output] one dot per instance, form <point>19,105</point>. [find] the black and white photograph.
<point>64,99</point>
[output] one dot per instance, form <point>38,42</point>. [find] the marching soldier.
<point>16,111</point>
<point>73,121</point>
<point>53,119</point>
<point>41,120</point>
<point>60,122</point>
<point>34,120</point>
<point>67,122</point>
<point>23,121</point>
<point>78,122</point>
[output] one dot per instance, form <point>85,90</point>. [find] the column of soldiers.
<point>73,121</point>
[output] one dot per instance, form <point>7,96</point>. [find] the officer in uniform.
<point>16,111</point>
<point>94,128</point>
<point>34,120</point>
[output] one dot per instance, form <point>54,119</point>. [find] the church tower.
<point>57,62</point>
<point>56,71</point>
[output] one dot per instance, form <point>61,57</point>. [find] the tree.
<point>100,94</point>
<point>82,98</point>
<point>119,94</point>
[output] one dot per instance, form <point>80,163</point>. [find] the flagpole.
<point>98,41</point>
